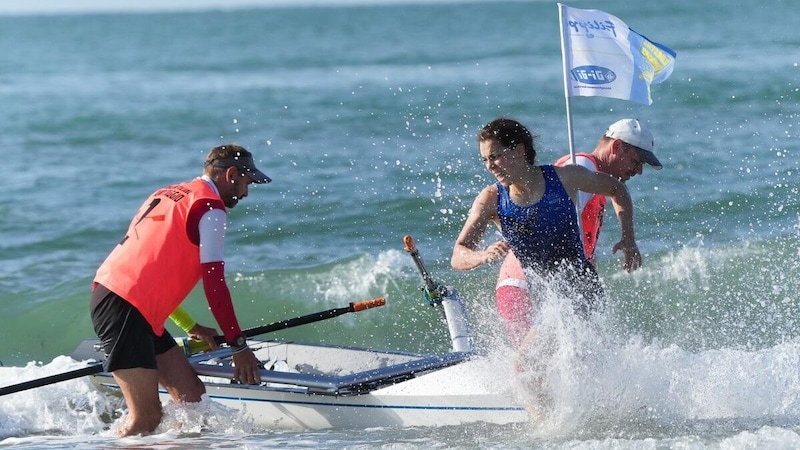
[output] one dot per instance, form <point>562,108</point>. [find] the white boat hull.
<point>292,411</point>
<point>467,391</point>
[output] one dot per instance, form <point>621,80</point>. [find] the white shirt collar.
<point>210,182</point>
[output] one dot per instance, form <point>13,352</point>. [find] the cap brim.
<point>258,176</point>
<point>650,158</point>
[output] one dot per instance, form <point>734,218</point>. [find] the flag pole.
<point>570,139</point>
<point>565,71</point>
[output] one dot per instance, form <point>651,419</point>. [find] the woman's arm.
<point>466,255</point>
<point>577,178</point>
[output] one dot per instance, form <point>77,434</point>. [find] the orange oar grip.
<point>409,243</point>
<point>367,304</point>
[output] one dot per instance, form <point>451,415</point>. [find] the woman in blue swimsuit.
<point>534,208</point>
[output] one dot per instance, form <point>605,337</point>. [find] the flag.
<point>603,57</point>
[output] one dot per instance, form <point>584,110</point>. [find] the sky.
<point>14,7</point>
<point>76,6</point>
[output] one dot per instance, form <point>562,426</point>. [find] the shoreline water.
<point>365,118</point>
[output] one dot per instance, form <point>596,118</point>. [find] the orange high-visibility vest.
<point>157,263</point>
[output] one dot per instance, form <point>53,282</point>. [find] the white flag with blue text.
<point>603,57</point>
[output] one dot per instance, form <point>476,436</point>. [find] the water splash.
<point>69,407</point>
<point>588,378</point>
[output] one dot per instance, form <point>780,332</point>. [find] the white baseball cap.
<point>635,133</point>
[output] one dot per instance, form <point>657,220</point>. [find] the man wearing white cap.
<point>621,152</point>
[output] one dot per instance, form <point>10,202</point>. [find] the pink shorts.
<point>513,301</point>
<point>514,307</point>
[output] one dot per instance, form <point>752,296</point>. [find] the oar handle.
<point>367,304</point>
<point>411,248</point>
<point>432,291</point>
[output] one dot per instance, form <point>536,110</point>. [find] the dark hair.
<point>224,152</point>
<point>509,133</point>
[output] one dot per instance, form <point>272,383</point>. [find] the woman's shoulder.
<point>492,188</point>
<point>490,192</point>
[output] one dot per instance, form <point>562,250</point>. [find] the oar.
<point>446,300</point>
<point>195,345</point>
<point>432,291</point>
<point>77,373</point>
<point>202,345</point>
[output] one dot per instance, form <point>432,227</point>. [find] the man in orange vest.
<point>621,152</point>
<point>175,240</point>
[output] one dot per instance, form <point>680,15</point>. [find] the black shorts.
<point>127,339</point>
<point>591,297</point>
<point>581,284</point>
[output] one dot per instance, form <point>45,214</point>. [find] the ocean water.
<point>365,117</point>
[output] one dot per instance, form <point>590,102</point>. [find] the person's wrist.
<point>239,344</point>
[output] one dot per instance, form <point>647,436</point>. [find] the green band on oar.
<point>202,345</point>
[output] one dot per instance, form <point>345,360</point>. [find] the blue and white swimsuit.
<point>545,236</point>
